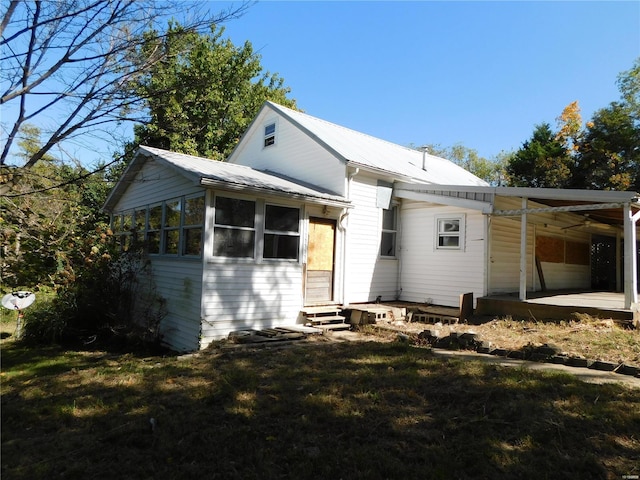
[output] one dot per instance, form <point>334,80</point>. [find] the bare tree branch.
<point>7,16</point>
<point>68,65</point>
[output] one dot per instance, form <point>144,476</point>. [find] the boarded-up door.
<point>320,260</point>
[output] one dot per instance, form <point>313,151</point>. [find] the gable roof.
<point>225,176</point>
<point>364,151</point>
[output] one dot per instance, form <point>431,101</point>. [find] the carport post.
<point>523,250</point>
<point>630,261</point>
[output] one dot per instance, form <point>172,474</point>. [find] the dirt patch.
<point>583,336</point>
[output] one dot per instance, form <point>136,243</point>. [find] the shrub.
<point>112,297</point>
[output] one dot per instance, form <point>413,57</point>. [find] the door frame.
<point>332,295</point>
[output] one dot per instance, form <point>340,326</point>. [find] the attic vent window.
<point>270,134</point>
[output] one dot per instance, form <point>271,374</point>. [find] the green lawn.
<point>322,410</point>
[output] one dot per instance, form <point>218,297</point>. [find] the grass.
<point>357,410</point>
<point>581,336</point>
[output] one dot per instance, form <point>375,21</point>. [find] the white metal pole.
<point>523,250</point>
<point>630,261</point>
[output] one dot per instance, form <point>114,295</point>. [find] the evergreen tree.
<point>542,161</point>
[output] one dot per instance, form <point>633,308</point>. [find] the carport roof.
<point>603,206</point>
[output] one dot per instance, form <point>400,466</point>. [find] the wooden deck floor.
<point>558,304</point>
<point>607,300</point>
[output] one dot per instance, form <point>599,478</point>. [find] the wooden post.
<point>466,306</point>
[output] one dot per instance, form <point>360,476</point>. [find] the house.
<point>305,212</point>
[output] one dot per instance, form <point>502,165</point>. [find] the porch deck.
<point>558,305</point>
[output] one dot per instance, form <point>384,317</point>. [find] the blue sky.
<point>477,73</point>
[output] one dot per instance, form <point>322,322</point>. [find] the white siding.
<point>504,265</point>
<point>180,283</point>
<point>248,295</point>
<point>294,154</point>
<point>155,183</point>
<point>429,275</point>
<point>504,257</point>
<point>367,274</point>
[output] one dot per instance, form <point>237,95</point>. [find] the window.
<point>192,226</point>
<point>270,134</point>
<point>141,224</point>
<point>153,229</point>
<point>174,227</point>
<point>281,232</point>
<point>125,233</point>
<point>388,240</point>
<point>450,233</point>
<point>172,214</point>
<point>234,228</point>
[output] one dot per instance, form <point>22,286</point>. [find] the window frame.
<point>188,227</point>
<point>153,230</point>
<point>281,233</point>
<point>253,229</point>
<point>393,232</point>
<point>460,234</point>
<point>269,138</point>
<point>173,228</point>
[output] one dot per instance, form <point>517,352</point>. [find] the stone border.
<point>546,353</point>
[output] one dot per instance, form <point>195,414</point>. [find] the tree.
<point>542,161</point>
<point>492,171</point>
<point>47,236</point>
<point>609,153</point>
<point>67,64</point>
<point>203,92</point>
<point>570,127</point>
<point>629,86</point>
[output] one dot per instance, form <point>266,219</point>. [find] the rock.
<point>517,354</point>
<point>577,362</point>
<point>549,349</point>
<point>604,366</point>
<point>403,337</point>
<point>558,359</point>
<point>629,370</point>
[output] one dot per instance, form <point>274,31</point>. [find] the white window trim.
<point>273,135</point>
<point>145,230</point>
<point>282,232</point>
<point>173,228</point>
<point>461,217</point>
<point>157,231</point>
<point>184,226</point>
<point>395,231</point>
<point>258,220</point>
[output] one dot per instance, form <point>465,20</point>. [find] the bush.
<point>47,320</point>
<point>112,297</point>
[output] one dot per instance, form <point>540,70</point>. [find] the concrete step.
<point>321,310</point>
<point>326,319</point>
<point>333,326</point>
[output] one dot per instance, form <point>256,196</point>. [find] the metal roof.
<point>603,206</point>
<point>226,176</point>
<point>362,150</point>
